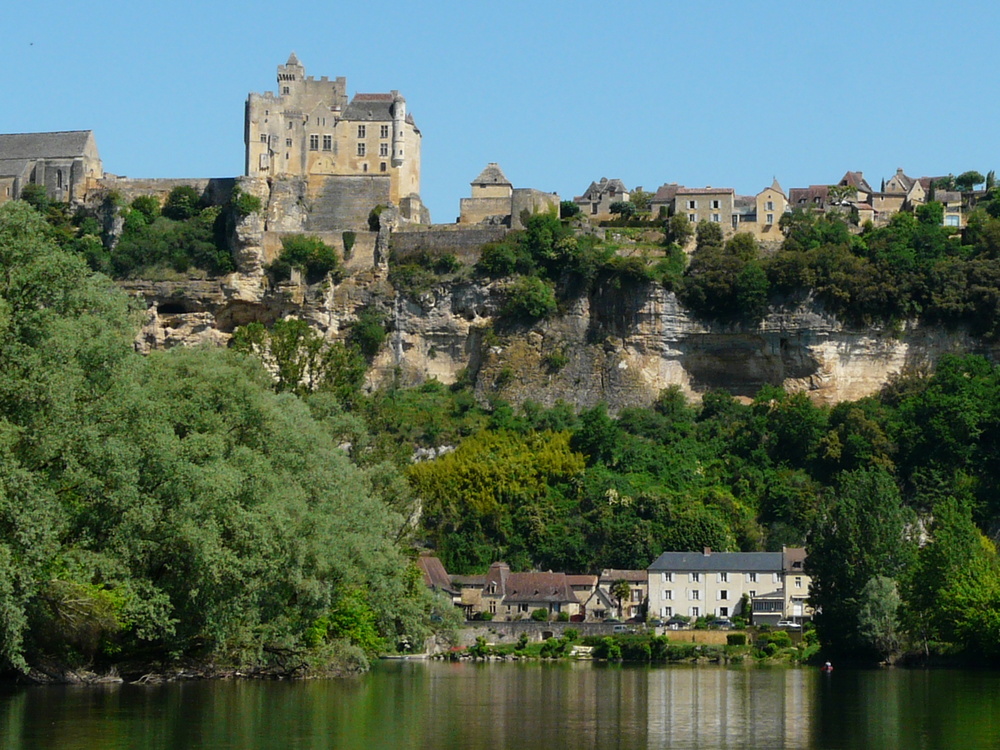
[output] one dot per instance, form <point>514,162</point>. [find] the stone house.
<point>436,577</point>
<point>596,201</point>
<point>707,204</point>
<point>662,202</point>
<point>635,605</point>
<point>514,596</point>
<point>708,584</point>
<point>496,201</point>
<point>66,163</point>
<point>310,130</point>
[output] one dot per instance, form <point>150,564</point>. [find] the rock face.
<point>621,345</point>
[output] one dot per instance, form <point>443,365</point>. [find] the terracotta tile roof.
<point>435,576</point>
<point>538,587</point>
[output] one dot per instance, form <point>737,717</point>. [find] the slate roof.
<point>613,574</point>
<point>369,108</point>
<point>705,191</point>
<point>727,561</point>
<point>62,144</point>
<point>491,175</point>
<point>808,196</point>
<point>582,580</point>
<point>597,189</point>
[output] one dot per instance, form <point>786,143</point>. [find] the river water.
<point>404,705</point>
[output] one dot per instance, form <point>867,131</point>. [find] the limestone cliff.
<point>621,344</point>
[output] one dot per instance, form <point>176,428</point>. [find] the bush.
<point>540,615</point>
<point>308,254</point>
<point>148,206</point>
<point>562,617</point>
<point>368,332</point>
<point>529,297</point>
<point>245,204</point>
<point>736,639</point>
<point>182,203</point>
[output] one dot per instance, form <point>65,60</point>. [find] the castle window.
<point>327,142</point>
<point>383,149</point>
<point>361,148</point>
<point>383,131</point>
<point>290,125</point>
<point>364,167</point>
<point>314,143</point>
<point>361,131</point>
<point>284,89</point>
<point>263,137</point>
<point>381,167</point>
<point>288,143</point>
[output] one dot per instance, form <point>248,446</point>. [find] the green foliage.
<point>568,209</point>
<point>529,298</point>
<point>172,506</point>
<point>878,624</point>
<point>148,206</point>
<point>36,196</point>
<point>309,255</point>
<point>244,203</point>
<point>182,203</point>
<point>146,245</point>
<point>349,238</point>
<point>368,332</point>
<point>540,615</point>
<point>968,180</point>
<point>626,209</point>
<point>374,217</point>
<point>736,639</point>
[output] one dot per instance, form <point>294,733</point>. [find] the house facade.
<point>713,584</point>
<point>706,204</point>
<point>596,201</point>
<point>506,595</point>
<point>496,201</point>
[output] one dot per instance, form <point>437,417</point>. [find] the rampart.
<point>464,242</point>
<point>360,258</point>
<point>217,190</point>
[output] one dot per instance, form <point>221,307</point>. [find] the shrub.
<point>368,332</point>
<point>562,617</point>
<point>522,641</point>
<point>568,209</point>
<point>571,634</point>
<point>148,206</point>
<point>245,204</point>
<point>349,239</point>
<point>736,639</point>
<point>182,203</point>
<point>540,615</point>
<point>308,254</point>
<point>36,196</point>
<point>530,297</point>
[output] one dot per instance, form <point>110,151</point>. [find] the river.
<point>404,705</point>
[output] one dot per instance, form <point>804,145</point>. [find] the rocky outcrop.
<point>619,344</point>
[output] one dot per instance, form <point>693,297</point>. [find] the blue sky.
<point>724,94</point>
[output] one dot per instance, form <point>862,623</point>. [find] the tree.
<point>878,624</point>
<point>863,534</point>
<point>838,195</point>
<point>308,254</point>
<point>621,591</point>
<point>626,209</point>
<point>568,209</point>
<point>679,230</point>
<point>968,180</point>
<point>182,203</point>
<point>640,199</point>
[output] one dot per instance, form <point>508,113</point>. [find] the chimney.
<point>707,551</point>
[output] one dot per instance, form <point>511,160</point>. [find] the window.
<point>776,578</point>
<point>668,594</point>
<point>383,149</point>
<point>769,205</point>
<point>361,149</point>
<point>798,583</point>
<point>694,595</point>
<point>666,611</point>
<point>361,131</point>
<point>752,577</point>
<point>263,137</point>
<point>692,218</point>
<point>723,611</point>
<point>723,595</point>
<point>284,89</point>
<point>692,204</point>
<point>668,577</point>
<point>493,608</point>
<point>716,204</point>
<point>313,143</point>
<point>364,167</point>
<point>770,218</point>
<point>290,126</point>
<point>381,166</point>
<point>695,612</point>
<point>383,131</point>
<point>751,593</point>
<point>636,595</point>
<point>327,142</point>
<point>716,218</point>
<point>695,577</point>
<point>522,607</point>
<point>723,577</point>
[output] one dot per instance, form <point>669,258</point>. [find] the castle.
<point>309,130</point>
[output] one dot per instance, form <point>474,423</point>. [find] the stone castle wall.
<point>217,189</point>
<point>465,242</point>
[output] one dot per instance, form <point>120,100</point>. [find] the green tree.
<point>878,623</point>
<point>621,591</point>
<point>968,180</point>
<point>182,203</point>
<point>625,209</point>
<point>568,209</point>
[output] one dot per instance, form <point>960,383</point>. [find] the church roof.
<point>491,175</point>
<point>63,144</point>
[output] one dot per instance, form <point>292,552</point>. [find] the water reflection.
<point>563,705</point>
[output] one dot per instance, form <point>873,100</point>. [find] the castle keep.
<point>367,146</point>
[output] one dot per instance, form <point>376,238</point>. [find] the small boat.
<point>828,667</point>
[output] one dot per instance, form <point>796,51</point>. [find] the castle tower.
<point>290,76</point>
<point>398,128</point>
